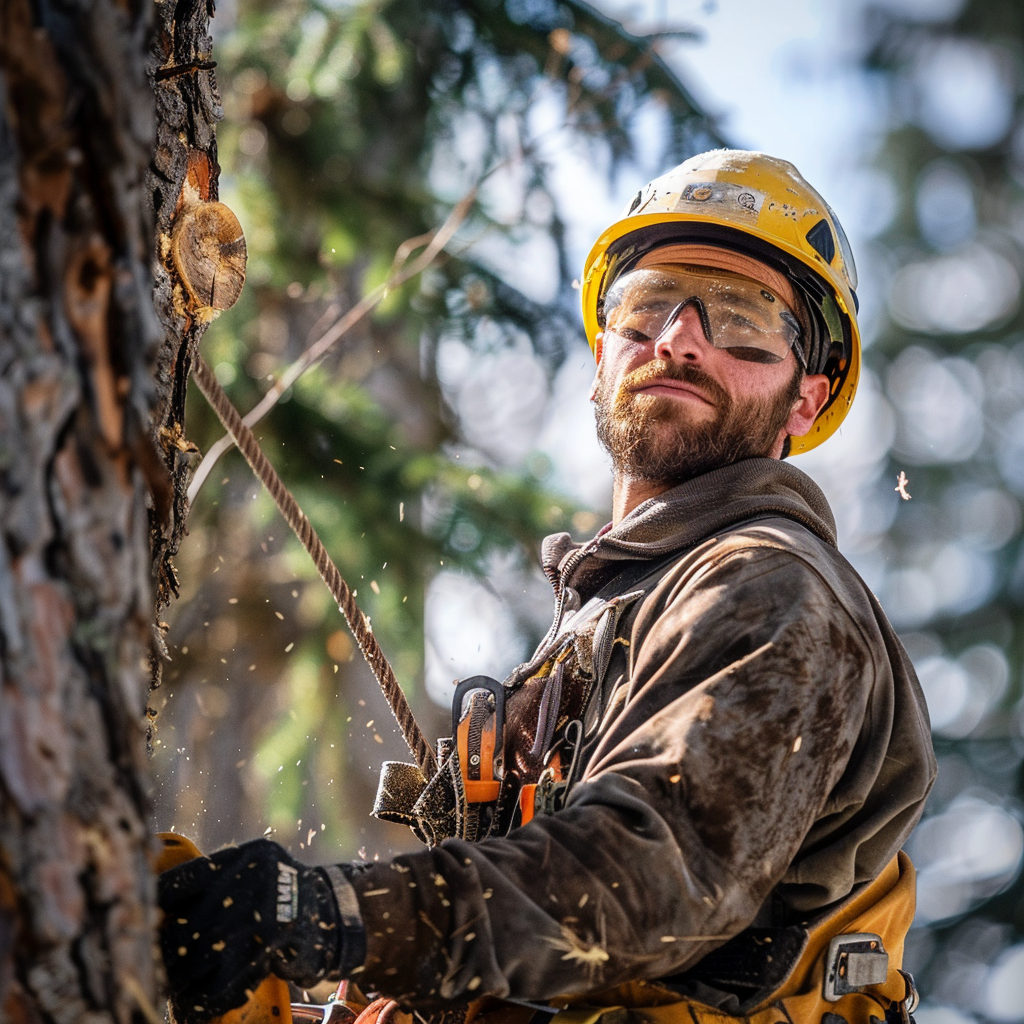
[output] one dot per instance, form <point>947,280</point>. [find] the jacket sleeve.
<point>748,687</point>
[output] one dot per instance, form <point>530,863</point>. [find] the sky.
<point>780,75</point>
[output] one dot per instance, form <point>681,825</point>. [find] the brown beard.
<point>626,424</point>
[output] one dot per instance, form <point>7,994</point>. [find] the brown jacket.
<point>761,749</point>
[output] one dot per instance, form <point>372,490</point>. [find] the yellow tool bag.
<point>847,972</point>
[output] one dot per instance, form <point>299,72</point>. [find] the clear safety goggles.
<point>737,313</point>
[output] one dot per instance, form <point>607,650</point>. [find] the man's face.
<point>674,407</point>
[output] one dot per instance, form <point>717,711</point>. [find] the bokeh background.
<point>446,434</point>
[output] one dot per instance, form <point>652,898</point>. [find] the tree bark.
<point>183,176</point>
<point>78,337</point>
<point>93,463</point>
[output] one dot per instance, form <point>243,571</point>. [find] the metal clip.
<point>552,786</point>
<point>854,962</point>
<point>334,1011</point>
<point>479,683</point>
<point>912,998</point>
<point>550,793</point>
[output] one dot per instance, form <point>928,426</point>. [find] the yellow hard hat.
<point>758,206</point>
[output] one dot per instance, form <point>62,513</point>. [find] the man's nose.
<point>683,341</point>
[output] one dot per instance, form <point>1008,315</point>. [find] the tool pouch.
<point>431,808</point>
<point>462,799</point>
<point>492,777</point>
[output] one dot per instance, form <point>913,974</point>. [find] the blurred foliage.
<point>949,351</point>
<point>349,128</point>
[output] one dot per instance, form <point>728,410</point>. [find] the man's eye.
<point>741,322</point>
<point>754,355</point>
<point>632,334</point>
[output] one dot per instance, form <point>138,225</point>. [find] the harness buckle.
<point>553,785</point>
<point>853,962</point>
<point>551,791</point>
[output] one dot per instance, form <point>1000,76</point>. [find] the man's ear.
<point>814,391</point>
<point>598,352</point>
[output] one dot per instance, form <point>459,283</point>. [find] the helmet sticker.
<point>741,199</point>
<point>830,312</point>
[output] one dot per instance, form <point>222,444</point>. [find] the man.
<point>696,790</point>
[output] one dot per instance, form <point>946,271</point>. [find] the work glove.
<point>242,913</point>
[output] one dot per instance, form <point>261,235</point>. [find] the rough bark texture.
<point>183,173</point>
<point>78,338</point>
<point>91,509</point>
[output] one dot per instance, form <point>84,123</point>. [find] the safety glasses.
<point>737,313</point>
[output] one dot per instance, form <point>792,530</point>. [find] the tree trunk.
<point>77,341</point>
<point>91,509</point>
<point>182,179</point>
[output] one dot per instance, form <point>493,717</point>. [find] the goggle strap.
<point>798,351</point>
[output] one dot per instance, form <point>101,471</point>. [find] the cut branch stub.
<point>209,254</point>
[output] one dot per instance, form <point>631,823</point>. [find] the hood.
<point>688,514</point>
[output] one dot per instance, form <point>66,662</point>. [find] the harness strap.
<point>476,741</point>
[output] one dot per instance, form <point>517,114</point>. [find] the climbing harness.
<point>844,968</point>
<point>489,781</point>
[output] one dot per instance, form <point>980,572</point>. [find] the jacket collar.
<point>688,514</point>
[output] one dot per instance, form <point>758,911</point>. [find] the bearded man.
<point>689,805</point>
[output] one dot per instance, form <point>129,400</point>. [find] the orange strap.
<point>485,788</point>
<point>527,800</point>
<point>480,791</point>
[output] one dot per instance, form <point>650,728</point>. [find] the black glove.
<point>242,913</point>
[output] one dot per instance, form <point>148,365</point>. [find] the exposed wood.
<point>208,250</point>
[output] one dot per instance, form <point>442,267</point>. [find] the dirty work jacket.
<point>764,750</point>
